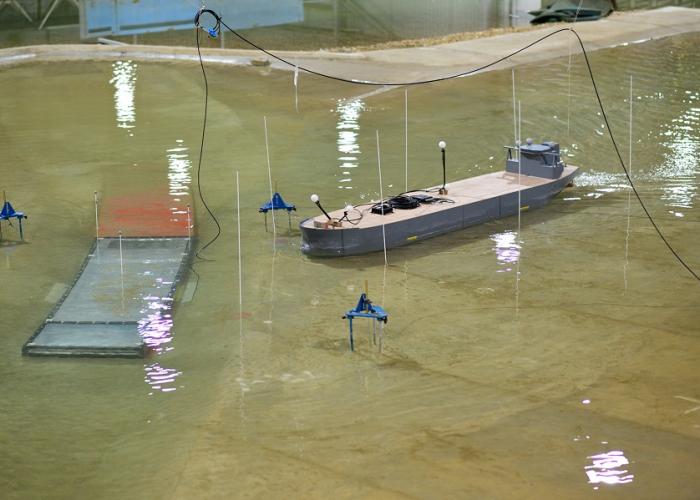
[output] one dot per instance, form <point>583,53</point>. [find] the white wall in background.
<point>129,17</point>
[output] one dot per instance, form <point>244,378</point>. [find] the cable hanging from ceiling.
<point>219,22</point>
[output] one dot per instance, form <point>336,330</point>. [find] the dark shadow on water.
<point>12,243</point>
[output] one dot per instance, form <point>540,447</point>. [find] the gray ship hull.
<point>356,240</point>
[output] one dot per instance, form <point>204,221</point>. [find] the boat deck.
<point>462,192</point>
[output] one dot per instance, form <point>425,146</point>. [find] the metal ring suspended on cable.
<point>213,32</point>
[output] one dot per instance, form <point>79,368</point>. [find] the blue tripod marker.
<point>365,309</point>
<point>278,203</point>
<point>7,213</point>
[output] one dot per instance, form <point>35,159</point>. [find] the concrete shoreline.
<point>402,64</point>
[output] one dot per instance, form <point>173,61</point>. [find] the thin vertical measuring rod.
<point>240,260</point>
<point>189,222</point>
<point>515,115</point>
<point>121,266</point>
<point>4,200</point>
<point>518,241</point>
<point>406,133</point>
<point>269,178</point>
<point>630,151</point>
<point>519,173</point>
<point>384,283</point>
<point>241,366</point>
<point>629,196</point>
<point>381,196</point>
<point>568,103</point>
<point>568,106</point>
<point>97,221</point>
<point>272,288</point>
<point>121,259</point>
<point>296,88</point>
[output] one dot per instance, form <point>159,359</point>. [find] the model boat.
<point>534,174</point>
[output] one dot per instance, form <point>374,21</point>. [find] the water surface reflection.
<point>160,378</point>
<point>179,167</point>
<point>507,249</point>
<point>156,325</point>
<point>680,167</point>
<point>349,111</point>
<point>609,467</point>
<point>124,82</point>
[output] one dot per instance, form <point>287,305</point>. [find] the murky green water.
<point>578,378</point>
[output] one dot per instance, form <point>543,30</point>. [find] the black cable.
<point>221,22</point>
<point>388,84</point>
<point>354,221</point>
<point>622,163</point>
<point>201,147</point>
<point>196,282</point>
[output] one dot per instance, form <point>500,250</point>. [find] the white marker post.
<point>121,266</point>
<point>515,114</point>
<point>121,258</point>
<point>629,196</point>
<point>240,261</point>
<point>381,196</point>
<point>189,222</point>
<point>518,241</point>
<point>97,221</point>
<point>269,178</point>
<point>406,134</point>
<point>296,88</point>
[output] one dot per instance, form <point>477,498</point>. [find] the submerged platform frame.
<point>109,313</point>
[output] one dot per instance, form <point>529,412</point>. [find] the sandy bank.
<point>404,64</point>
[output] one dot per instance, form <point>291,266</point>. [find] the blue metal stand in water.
<point>365,309</point>
<point>7,213</point>
<point>278,203</point>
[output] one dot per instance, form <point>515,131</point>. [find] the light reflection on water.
<point>507,249</point>
<point>593,178</point>
<point>675,176</point>
<point>349,111</point>
<point>160,378</point>
<point>681,164</point>
<point>156,324</point>
<point>609,468</point>
<point>124,81</point>
<point>179,179</point>
<point>155,328</point>
<point>179,167</point>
